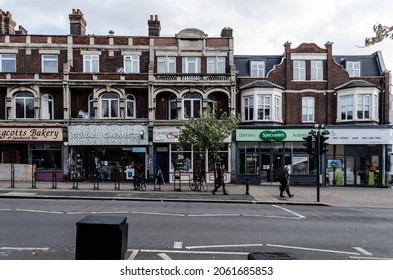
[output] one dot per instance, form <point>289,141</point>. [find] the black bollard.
<point>12,176</point>
<point>33,176</point>
<point>54,177</point>
<point>247,186</point>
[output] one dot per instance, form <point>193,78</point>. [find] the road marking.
<point>178,245</point>
<point>274,217</point>
<point>25,248</point>
<point>39,211</point>
<point>223,246</point>
<point>6,209</point>
<point>312,249</point>
<point>363,251</point>
<point>20,193</point>
<point>194,252</point>
<point>158,214</point>
<point>133,254</point>
<point>165,257</point>
<point>369,258</point>
<point>290,211</point>
<point>214,215</point>
<point>110,212</point>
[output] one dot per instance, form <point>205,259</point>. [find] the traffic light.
<point>308,144</point>
<point>322,144</point>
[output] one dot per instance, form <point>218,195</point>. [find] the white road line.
<point>165,257</point>
<point>214,215</point>
<point>110,212</point>
<point>158,214</point>
<point>6,209</point>
<point>39,211</point>
<point>25,248</point>
<point>133,254</point>
<point>369,258</point>
<point>313,249</point>
<point>290,211</point>
<point>194,252</point>
<point>274,217</point>
<point>363,251</point>
<point>178,245</point>
<point>223,246</point>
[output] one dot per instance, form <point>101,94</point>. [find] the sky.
<point>260,27</point>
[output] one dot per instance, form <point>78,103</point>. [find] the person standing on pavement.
<point>284,183</point>
<point>219,181</point>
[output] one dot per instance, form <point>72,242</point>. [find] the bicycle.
<point>198,183</point>
<point>139,183</point>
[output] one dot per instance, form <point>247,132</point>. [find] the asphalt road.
<point>46,230</point>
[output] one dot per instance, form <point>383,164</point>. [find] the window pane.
<point>8,63</point>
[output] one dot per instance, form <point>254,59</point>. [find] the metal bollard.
<point>33,176</point>
<point>54,177</point>
<point>96,182</point>
<point>12,176</point>
<point>247,186</point>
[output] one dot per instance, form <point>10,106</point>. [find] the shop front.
<point>355,157</point>
<point>32,147</point>
<point>107,152</point>
<point>184,164</point>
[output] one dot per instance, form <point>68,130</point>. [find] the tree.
<point>207,133</point>
<point>381,32</point>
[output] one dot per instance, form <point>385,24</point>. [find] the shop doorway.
<point>355,170</point>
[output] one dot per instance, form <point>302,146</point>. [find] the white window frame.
<point>257,69</point>
<point>191,65</point>
<point>166,64</point>
<point>364,104</point>
<point>50,63</point>
<point>91,63</point>
<point>4,60</point>
<point>131,64</point>
<point>248,105</point>
<point>299,70</point>
<point>47,107</point>
<point>27,99</point>
<point>131,103</point>
<point>112,103</point>
<point>308,109</point>
<point>266,99</point>
<point>172,103</point>
<point>353,68</point>
<point>193,99</point>
<point>316,70</point>
<point>264,107</point>
<point>216,64</point>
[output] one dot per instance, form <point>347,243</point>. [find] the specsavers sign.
<point>271,135</point>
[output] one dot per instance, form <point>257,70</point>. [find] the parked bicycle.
<point>198,183</point>
<point>139,182</point>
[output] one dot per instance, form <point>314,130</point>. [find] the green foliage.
<point>381,32</point>
<point>207,133</point>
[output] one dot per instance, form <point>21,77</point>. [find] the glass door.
<point>355,170</point>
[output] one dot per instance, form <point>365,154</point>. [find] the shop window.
<point>24,105</point>
<point>181,159</point>
<point>110,105</point>
<point>46,156</point>
<point>131,105</point>
<point>47,107</point>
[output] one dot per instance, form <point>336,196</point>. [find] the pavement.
<point>257,194</point>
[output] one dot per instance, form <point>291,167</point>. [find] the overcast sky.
<point>259,26</point>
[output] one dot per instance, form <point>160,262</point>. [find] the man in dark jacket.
<point>284,183</point>
<point>219,181</point>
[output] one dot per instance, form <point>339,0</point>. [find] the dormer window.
<point>257,69</point>
<point>353,68</point>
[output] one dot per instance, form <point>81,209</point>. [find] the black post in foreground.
<point>247,186</point>
<point>12,176</point>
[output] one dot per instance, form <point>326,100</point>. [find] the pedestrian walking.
<point>284,183</point>
<point>219,181</point>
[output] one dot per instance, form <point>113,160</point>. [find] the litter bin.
<point>101,238</point>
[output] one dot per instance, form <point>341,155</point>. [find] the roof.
<point>242,62</point>
<point>355,83</point>
<point>260,84</point>
<point>370,65</point>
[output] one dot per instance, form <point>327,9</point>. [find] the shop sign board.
<point>169,134</point>
<point>97,135</point>
<point>31,134</point>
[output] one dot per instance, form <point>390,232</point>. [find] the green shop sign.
<point>268,135</point>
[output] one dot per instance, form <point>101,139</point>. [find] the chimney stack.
<point>154,26</point>
<point>77,23</point>
<point>227,32</point>
<point>7,24</point>
<point>21,31</point>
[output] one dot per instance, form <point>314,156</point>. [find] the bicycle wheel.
<point>192,185</point>
<point>143,186</point>
<point>204,184</point>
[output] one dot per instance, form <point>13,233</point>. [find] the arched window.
<point>47,112</point>
<point>192,105</point>
<point>131,105</point>
<point>90,101</point>
<point>173,107</point>
<point>24,105</point>
<point>211,104</point>
<point>110,105</point>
